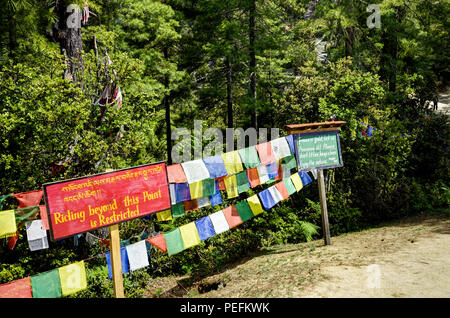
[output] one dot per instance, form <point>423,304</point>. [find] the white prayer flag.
<point>137,255</point>
<point>280,148</point>
<point>195,170</point>
<point>276,195</point>
<point>219,222</point>
<point>203,201</point>
<point>35,230</point>
<point>263,174</point>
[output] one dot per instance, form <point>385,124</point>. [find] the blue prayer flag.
<point>215,166</point>
<point>124,261</point>
<point>205,228</point>
<point>266,199</point>
<point>290,140</point>
<point>305,177</point>
<point>272,170</point>
<point>216,199</point>
<point>182,192</point>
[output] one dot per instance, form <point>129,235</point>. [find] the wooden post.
<point>323,207</point>
<point>116,261</point>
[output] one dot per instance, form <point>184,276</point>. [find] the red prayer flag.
<point>30,198</point>
<point>253,177</point>
<point>232,216</point>
<point>158,241</point>
<point>221,182</point>
<point>265,153</point>
<point>13,240</point>
<point>20,288</point>
<point>280,172</point>
<point>281,187</point>
<point>44,218</point>
<point>190,205</point>
<point>176,174</point>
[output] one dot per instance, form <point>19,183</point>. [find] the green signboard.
<point>318,150</point>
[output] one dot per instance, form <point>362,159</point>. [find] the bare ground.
<point>406,258</point>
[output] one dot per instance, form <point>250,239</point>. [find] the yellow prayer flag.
<point>72,278</point>
<point>232,161</point>
<point>254,204</point>
<point>164,215</point>
<point>8,225</point>
<point>189,234</point>
<point>295,178</point>
<point>231,186</point>
<point>196,190</point>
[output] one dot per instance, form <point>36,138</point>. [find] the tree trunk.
<point>251,25</point>
<point>349,39</point>
<point>229,95</point>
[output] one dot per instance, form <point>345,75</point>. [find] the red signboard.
<point>83,204</point>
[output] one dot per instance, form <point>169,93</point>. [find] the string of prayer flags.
<point>196,189</point>
<point>190,205</point>
<point>249,157</point>
<point>137,255</point>
<point>20,288</point>
<point>253,177</point>
<point>205,228</point>
<point>280,148</point>
<point>297,181</point>
<point>178,210</point>
<point>242,181</point>
<point>208,187</point>
<point>244,210</point>
<point>124,261</point>
<point>231,186</point>
<point>8,226</point>
<point>44,217</point>
<point>158,241</point>
<point>216,199</point>
<point>189,235</point>
<point>174,242</point>
<point>30,198</point>
<point>232,216</point>
<point>215,166</point>
<point>195,170</point>
<point>265,153</point>
<point>219,222</point>
<point>72,278</point>
<point>36,235</point>
<point>255,205</point>
<point>175,174</point>
<point>306,179</point>
<point>232,161</point>
<point>266,199</point>
<point>46,285</point>
<point>182,192</point>
<point>202,202</point>
<point>281,188</point>
<point>165,215</point>
<point>289,186</point>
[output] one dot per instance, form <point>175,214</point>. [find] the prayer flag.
<point>290,162</point>
<point>215,166</point>
<point>232,216</point>
<point>195,170</point>
<point>314,173</point>
<point>173,195</point>
<point>20,288</point>
<point>174,241</point>
<point>189,235</point>
<point>266,199</point>
<point>221,183</point>
<point>44,216</point>
<point>46,285</point>
<point>205,228</point>
<point>272,170</point>
<point>276,195</point>
<point>295,178</point>
<point>182,192</point>
<point>290,141</point>
<point>164,215</point>
<point>178,210</point>
<point>73,278</point>
<point>219,222</point>
<point>158,241</point>
<point>175,174</point>
<point>306,179</point>
<point>27,213</point>
<point>280,172</point>
<point>190,205</point>
<point>280,148</point>
<point>123,258</point>
<point>137,255</point>
<point>216,199</point>
<point>196,189</point>
<point>253,178</point>
<point>263,174</point>
<point>232,161</point>
<point>38,244</point>
<point>208,187</point>
<point>266,155</point>
<point>249,157</point>
<point>35,230</point>
<point>231,186</point>
<point>244,210</point>
<point>289,186</point>
<point>202,202</point>
<point>30,198</point>
<point>282,190</point>
<point>8,225</point>
<point>254,204</point>
<point>242,181</point>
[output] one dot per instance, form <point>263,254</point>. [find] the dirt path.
<point>408,258</point>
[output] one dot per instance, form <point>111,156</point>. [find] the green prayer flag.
<point>242,181</point>
<point>249,157</point>
<point>290,162</point>
<point>46,285</point>
<point>244,210</point>
<point>174,241</point>
<point>289,186</point>
<point>209,187</point>
<point>26,214</point>
<point>178,209</point>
